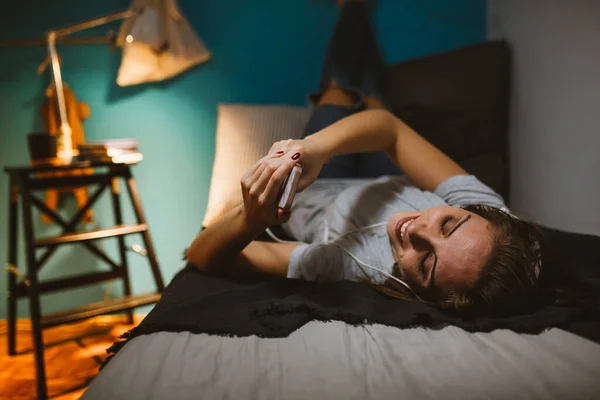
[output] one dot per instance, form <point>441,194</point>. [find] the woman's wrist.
<point>319,145</point>
<point>248,227</point>
<point>369,130</point>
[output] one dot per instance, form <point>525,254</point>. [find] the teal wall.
<point>266,51</point>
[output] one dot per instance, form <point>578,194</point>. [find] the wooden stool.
<point>23,181</point>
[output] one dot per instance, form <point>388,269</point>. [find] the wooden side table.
<point>23,182</point>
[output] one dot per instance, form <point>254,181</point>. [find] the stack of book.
<point>118,151</point>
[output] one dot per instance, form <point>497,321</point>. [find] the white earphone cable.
<point>359,262</point>
<point>275,238</point>
<point>390,276</point>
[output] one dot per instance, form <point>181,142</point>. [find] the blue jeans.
<point>356,65</point>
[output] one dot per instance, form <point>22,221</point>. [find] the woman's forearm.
<point>370,130</point>
<point>219,248</point>
<point>223,240</point>
<point>374,130</point>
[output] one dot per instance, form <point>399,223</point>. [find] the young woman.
<point>435,234</point>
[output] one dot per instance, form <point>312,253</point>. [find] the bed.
<point>285,339</point>
<point>332,360</point>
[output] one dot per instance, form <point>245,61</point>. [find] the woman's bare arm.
<point>267,258</point>
<point>227,236</point>
<point>373,130</point>
<point>227,247</point>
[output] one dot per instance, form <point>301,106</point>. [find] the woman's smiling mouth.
<point>401,228</point>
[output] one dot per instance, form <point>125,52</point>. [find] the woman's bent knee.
<point>336,96</point>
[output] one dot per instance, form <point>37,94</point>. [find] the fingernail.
<point>296,156</point>
<point>279,152</point>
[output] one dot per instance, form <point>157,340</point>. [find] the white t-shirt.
<point>336,214</point>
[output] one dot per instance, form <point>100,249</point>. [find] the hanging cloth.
<point>77,112</point>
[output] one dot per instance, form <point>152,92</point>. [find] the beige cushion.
<point>245,133</point>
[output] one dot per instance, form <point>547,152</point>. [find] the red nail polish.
<point>279,152</point>
<point>296,156</point>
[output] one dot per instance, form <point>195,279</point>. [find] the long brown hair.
<point>509,276</point>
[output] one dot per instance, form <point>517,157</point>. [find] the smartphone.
<point>288,189</point>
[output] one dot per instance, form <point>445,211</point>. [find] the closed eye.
<point>457,225</point>
<point>445,222</point>
<point>422,265</point>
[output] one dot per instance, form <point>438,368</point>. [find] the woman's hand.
<point>310,157</point>
<point>260,189</point>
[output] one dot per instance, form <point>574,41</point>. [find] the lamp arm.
<point>65,128</point>
<point>58,83</point>
<point>92,23</point>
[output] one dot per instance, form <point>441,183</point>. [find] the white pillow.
<point>245,133</point>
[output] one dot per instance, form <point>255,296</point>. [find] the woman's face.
<point>440,249</point>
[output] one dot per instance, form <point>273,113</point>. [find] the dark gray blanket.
<point>200,303</point>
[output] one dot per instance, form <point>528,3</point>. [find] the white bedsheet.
<point>337,361</point>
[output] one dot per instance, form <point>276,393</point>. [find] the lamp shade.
<point>158,43</point>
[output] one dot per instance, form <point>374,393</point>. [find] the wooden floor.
<point>73,354</point>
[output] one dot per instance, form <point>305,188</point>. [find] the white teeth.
<point>403,229</point>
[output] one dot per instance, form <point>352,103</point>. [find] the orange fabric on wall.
<point>76,113</point>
